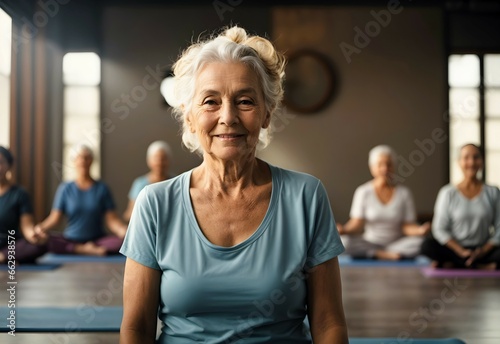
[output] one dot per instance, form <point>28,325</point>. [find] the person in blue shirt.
<point>159,159</point>
<point>234,250</point>
<point>17,233</point>
<point>87,205</point>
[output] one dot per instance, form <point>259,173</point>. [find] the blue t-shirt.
<point>14,203</point>
<point>84,209</point>
<point>253,292</point>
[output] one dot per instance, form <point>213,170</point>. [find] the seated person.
<point>86,203</point>
<point>158,158</point>
<point>463,216</point>
<point>382,223</point>
<point>16,218</point>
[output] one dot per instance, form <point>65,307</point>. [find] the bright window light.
<point>5,67</point>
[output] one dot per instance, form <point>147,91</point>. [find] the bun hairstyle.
<point>233,44</point>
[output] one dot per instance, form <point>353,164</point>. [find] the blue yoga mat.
<point>407,340</point>
<point>87,318</point>
<point>32,267</point>
<point>51,258</point>
<point>345,260</point>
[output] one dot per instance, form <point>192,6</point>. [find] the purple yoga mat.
<point>469,273</point>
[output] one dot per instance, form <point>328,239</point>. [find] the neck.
<point>83,177</point>
<point>470,182</point>
<point>229,176</point>
<point>382,183</point>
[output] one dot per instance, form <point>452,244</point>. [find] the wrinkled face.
<point>4,166</point>
<point>83,161</point>
<point>228,110</point>
<point>383,167</point>
<point>158,161</point>
<point>470,161</point>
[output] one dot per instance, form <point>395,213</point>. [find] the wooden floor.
<point>379,302</point>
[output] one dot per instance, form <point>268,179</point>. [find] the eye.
<point>246,102</point>
<point>209,102</point>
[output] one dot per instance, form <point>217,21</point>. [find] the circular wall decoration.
<point>309,83</point>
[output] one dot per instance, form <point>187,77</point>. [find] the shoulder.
<point>293,180</point>
<point>448,189</point>
<point>492,191</point>
<point>365,188</point>
<point>66,186</point>
<point>102,186</point>
<point>167,188</point>
<point>404,190</point>
<point>142,179</point>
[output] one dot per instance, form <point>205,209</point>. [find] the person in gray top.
<point>466,224</point>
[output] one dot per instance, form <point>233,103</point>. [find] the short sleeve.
<point>140,241</point>
<point>358,204</point>
<point>441,223</point>
<point>410,215</point>
<point>108,202</point>
<point>60,199</point>
<point>325,243</point>
<point>24,203</point>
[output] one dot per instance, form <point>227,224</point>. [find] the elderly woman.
<point>382,223</point>
<point>158,158</point>
<point>235,249</point>
<point>16,218</point>
<point>463,216</point>
<point>86,203</point>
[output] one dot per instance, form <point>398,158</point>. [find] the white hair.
<point>159,146</point>
<point>78,149</point>
<point>379,150</point>
<point>233,45</point>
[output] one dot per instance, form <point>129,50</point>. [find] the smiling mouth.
<point>229,136</point>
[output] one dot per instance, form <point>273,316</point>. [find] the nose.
<point>228,114</point>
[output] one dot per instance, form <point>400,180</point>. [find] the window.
<point>474,97</point>
<point>5,67</point>
<point>81,77</point>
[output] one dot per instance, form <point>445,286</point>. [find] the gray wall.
<point>393,91</point>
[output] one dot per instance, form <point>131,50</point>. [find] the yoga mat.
<point>51,258</point>
<point>345,260</point>
<point>86,318</point>
<point>406,340</point>
<point>467,273</point>
<point>32,267</point>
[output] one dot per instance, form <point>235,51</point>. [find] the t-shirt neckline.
<point>188,206</point>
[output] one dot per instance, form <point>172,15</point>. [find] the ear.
<point>267,121</point>
<point>190,124</point>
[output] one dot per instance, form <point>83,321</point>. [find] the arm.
<point>115,224</point>
<point>141,294</point>
<point>128,212</point>
<point>50,222</point>
<point>414,229</point>
<point>324,304</point>
<point>353,226</point>
<point>28,229</point>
